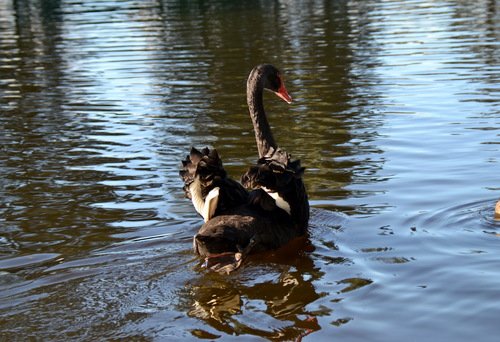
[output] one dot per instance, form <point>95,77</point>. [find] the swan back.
<point>207,185</point>
<point>281,178</point>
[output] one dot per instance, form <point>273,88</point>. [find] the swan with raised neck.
<point>276,211</point>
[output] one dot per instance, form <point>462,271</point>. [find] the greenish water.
<point>396,116</point>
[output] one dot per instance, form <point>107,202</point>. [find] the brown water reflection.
<point>396,118</point>
<point>238,307</point>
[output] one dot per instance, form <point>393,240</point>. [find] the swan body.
<point>273,211</point>
<point>207,185</point>
<point>282,180</point>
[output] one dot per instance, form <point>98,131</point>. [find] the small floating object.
<point>497,211</point>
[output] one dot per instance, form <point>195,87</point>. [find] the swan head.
<point>272,80</point>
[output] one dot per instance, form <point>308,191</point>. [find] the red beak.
<point>283,93</point>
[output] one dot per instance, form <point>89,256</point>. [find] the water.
<point>396,117</point>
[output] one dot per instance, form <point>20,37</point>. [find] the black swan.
<point>238,222</point>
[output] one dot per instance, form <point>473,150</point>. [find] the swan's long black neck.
<point>263,135</point>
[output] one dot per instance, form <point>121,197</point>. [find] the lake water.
<point>396,117</point>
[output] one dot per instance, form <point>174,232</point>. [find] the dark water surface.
<point>396,117</point>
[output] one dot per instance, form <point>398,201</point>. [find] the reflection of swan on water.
<point>276,295</point>
<point>231,306</point>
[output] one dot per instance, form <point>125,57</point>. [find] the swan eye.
<point>276,83</point>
